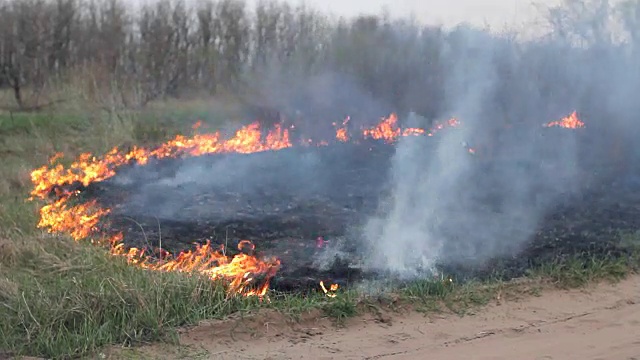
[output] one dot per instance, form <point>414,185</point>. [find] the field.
<point>63,298</point>
<point>517,206</point>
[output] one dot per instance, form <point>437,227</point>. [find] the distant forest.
<point>298,59</point>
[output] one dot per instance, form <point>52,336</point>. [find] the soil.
<point>598,322</point>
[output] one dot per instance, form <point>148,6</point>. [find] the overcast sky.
<point>498,14</point>
<point>495,13</point>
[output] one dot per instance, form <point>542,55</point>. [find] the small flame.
<point>388,130</point>
<point>341,132</point>
<point>331,292</point>
<point>569,122</point>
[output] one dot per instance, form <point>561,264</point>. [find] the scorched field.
<point>166,208</point>
<point>206,225</point>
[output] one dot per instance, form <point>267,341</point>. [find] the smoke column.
<point>447,206</point>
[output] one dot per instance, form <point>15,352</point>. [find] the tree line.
<point>274,51</point>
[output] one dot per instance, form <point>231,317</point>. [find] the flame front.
<point>88,169</point>
<point>570,122</point>
<point>244,273</point>
<point>389,131</point>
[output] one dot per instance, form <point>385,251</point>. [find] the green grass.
<point>62,299</point>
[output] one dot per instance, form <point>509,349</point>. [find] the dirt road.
<point>599,322</point>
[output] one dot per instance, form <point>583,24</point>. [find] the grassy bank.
<point>59,298</point>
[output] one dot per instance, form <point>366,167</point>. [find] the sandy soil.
<point>600,322</point>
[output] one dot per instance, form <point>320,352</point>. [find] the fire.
<point>341,133</point>
<point>88,169</point>
<point>386,130</point>
<point>569,122</point>
<point>244,273</point>
<point>331,292</point>
<point>79,221</point>
<point>389,131</point>
<point>453,122</point>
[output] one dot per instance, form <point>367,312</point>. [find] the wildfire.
<point>569,122</point>
<point>244,273</point>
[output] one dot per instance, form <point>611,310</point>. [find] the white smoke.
<point>445,206</point>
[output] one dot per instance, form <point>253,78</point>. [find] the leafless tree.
<point>170,47</point>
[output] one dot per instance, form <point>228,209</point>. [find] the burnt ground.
<point>284,200</point>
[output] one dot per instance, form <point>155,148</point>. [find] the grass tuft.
<point>580,270</point>
<point>341,307</point>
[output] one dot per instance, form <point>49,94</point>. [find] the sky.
<point>494,13</point>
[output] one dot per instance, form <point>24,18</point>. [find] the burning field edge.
<point>61,187</point>
<point>245,272</point>
<point>62,298</point>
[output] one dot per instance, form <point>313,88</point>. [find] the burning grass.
<point>82,220</point>
<point>61,298</point>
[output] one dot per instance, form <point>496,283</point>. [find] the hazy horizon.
<point>492,13</point>
<point>495,14</point>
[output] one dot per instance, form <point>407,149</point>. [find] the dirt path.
<point>601,322</point>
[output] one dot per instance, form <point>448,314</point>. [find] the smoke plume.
<point>447,207</point>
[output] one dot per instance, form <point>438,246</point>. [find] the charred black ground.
<point>284,200</point>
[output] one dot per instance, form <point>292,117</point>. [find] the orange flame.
<point>88,169</point>
<point>569,122</point>
<point>331,292</point>
<point>389,131</point>
<point>244,273</point>
<point>81,221</point>
<point>341,133</point>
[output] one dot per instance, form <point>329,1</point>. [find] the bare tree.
<point>232,25</point>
